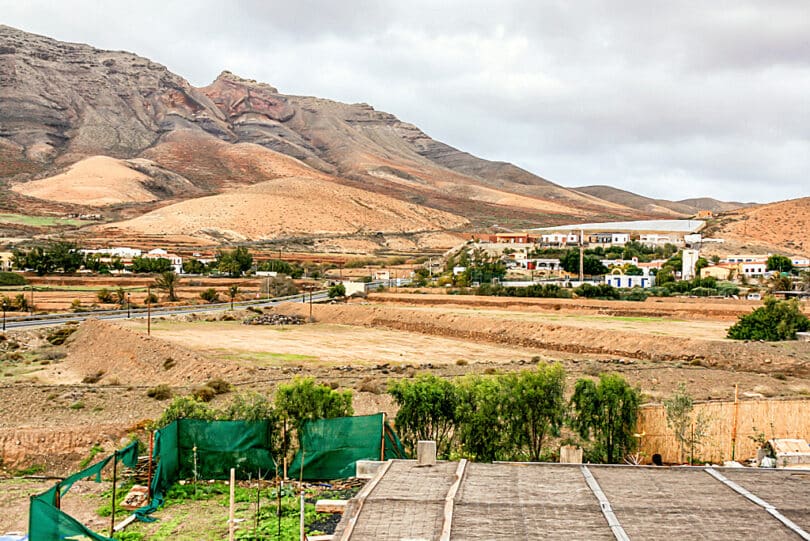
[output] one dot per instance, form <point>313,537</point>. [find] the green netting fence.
<point>190,448</point>
<point>330,448</point>
<point>47,522</point>
<point>193,448</point>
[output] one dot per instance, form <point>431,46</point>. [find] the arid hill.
<point>782,227</point>
<point>685,207</point>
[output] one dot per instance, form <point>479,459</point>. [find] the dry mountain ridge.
<point>685,207</point>
<point>62,104</point>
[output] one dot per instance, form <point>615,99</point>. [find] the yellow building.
<point>720,272</point>
<point>5,261</point>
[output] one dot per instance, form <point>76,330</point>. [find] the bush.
<point>203,393</point>
<point>303,400</point>
<point>58,336</point>
<point>93,378</point>
<point>185,407</point>
<point>12,279</point>
<point>161,392</point>
<point>105,296</point>
<point>777,320</point>
<point>337,290</point>
<point>210,295</point>
<point>427,411</point>
<point>219,385</point>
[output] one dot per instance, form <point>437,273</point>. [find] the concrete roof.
<point>476,502</point>
<point>651,226</point>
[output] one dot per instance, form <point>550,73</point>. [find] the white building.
<point>629,281</point>
<point>176,260</point>
<point>754,269</point>
<point>657,239</point>
<point>800,262</point>
<point>690,258</point>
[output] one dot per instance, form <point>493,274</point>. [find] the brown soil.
<point>94,181</point>
<point>787,358</point>
<point>123,357</point>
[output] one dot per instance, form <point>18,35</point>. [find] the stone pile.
<point>274,319</point>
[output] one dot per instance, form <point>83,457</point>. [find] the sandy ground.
<point>94,181</point>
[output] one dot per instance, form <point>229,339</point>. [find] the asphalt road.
<point>47,320</point>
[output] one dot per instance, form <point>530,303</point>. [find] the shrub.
<point>203,393</point>
<point>427,410</point>
<point>160,392</point>
<point>12,279</point>
<point>58,336</point>
<point>219,385</point>
<point>303,400</point>
<point>105,296</point>
<point>185,407</point>
<point>337,290</point>
<point>93,378</point>
<point>210,295</point>
<point>776,320</point>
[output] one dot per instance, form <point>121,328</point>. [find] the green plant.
<point>607,412</point>
<point>337,290</point>
<point>689,429</point>
<point>168,282</point>
<point>185,407</point>
<point>303,400</point>
<point>58,335</point>
<point>160,392</point>
<point>104,296</point>
<point>94,451</point>
<point>77,405</point>
<point>427,410</point>
<point>204,393</point>
<point>12,279</point>
<point>219,385</point>
<point>776,320</point>
<point>779,263</point>
<point>30,470</point>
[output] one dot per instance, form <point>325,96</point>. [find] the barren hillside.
<point>290,207</point>
<point>783,227</point>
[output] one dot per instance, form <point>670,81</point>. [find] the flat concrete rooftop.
<point>476,502</point>
<point>647,226</point>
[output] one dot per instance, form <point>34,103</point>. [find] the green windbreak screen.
<point>46,522</point>
<point>220,446</point>
<point>330,448</point>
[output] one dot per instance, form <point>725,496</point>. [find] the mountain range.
<point>90,131</point>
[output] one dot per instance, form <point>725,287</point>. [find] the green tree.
<point>233,291</point>
<point>592,266</point>
<point>234,262</point>
<point>304,400</point>
<point>104,295</point>
<point>150,265</point>
<point>533,407</point>
<point>776,320</point>
<point>607,412</point>
<point>701,263</point>
<point>689,429</point>
<point>185,407</point>
<point>168,282</point>
<point>337,290</point>
<point>779,263</point>
<point>194,266</point>
<point>427,411</point>
<point>480,429</point>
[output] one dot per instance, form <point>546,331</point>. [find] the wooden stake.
<point>231,524</point>
<point>382,439</point>
<point>284,442</point>
<point>736,416</point>
<point>301,520</point>
<point>148,311</point>
<point>149,470</point>
<point>115,478</point>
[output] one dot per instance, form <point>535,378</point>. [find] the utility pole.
<point>4,314</point>
<point>129,304</point>
<point>32,299</point>
<point>148,311</point>
<point>581,257</point>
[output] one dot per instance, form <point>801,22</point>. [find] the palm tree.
<point>233,291</point>
<point>168,281</point>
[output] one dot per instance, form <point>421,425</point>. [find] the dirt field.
<point>50,419</point>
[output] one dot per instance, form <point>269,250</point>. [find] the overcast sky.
<point>669,99</point>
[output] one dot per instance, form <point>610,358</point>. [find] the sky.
<point>673,99</point>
